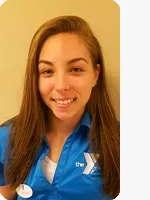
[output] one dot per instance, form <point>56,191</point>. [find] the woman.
<point>64,143</point>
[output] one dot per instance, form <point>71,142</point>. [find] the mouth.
<point>64,104</point>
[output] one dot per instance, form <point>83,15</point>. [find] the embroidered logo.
<point>78,164</point>
<point>91,161</point>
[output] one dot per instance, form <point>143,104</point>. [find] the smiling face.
<point>66,73</point>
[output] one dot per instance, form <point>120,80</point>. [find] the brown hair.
<point>27,127</point>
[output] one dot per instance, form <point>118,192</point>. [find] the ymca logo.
<point>91,161</point>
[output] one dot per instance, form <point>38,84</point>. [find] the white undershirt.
<point>49,168</point>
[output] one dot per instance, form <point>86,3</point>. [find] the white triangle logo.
<point>90,163</point>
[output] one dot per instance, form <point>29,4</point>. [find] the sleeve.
<point>2,174</point>
<point>102,198</point>
<point>107,198</point>
<point>1,164</point>
<point>3,147</point>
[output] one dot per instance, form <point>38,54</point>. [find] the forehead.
<point>64,46</point>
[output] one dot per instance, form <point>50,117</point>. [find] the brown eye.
<point>47,71</point>
<point>76,69</point>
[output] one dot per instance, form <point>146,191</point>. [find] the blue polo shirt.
<point>77,175</point>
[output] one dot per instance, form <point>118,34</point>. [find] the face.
<point>66,75</point>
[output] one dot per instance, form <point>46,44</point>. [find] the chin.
<point>62,116</point>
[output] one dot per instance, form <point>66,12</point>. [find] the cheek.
<point>45,87</point>
<point>84,89</point>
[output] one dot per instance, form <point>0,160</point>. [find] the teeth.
<point>65,102</point>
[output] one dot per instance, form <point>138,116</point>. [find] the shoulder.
<point>4,140</point>
<point>4,133</point>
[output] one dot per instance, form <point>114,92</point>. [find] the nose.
<point>61,83</point>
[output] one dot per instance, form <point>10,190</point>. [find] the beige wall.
<point>19,19</point>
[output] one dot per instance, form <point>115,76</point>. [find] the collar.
<point>85,121</point>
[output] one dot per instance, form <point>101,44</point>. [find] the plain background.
<point>19,20</point>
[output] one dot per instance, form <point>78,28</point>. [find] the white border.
<point>2,2</point>
<point>135,99</point>
<point>118,2</point>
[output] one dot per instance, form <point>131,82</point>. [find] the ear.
<point>97,72</point>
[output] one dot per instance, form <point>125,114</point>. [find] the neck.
<point>63,128</point>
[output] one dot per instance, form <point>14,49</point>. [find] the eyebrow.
<point>69,62</point>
